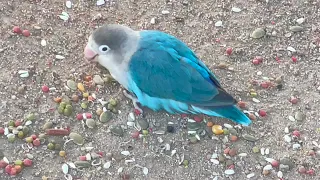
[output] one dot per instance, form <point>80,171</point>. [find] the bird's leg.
<point>135,101</point>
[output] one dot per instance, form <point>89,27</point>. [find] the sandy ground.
<point>195,23</point>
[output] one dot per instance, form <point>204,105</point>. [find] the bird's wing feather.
<point>165,67</point>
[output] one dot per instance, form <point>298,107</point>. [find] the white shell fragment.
<point>126,153</point>
<point>145,171</point>
<point>88,157</point>
<point>291,118</point>
<point>132,117</point>
<point>267,167</point>
<point>153,21</point>
<point>228,126</point>
<point>280,174</point>
<point>291,49</point>
<point>23,73</point>
<point>107,165</point>
<point>65,168</point>
<point>6,131</point>
<point>64,16</point>
<point>287,138</point>
<point>100,2</point>
<point>28,123</point>
<point>72,165</point>
<point>270,160</point>
<point>43,42</point>
<point>68,4</point>
<point>250,175</point>
<point>255,100</point>
<point>59,57</point>
<point>164,12</point>
<point>218,24</point>
<point>215,161</point>
<point>229,172</point>
<point>242,154</point>
<point>235,9</point>
<point>286,130</point>
<point>6,160</point>
<point>120,170</point>
<point>300,20</point>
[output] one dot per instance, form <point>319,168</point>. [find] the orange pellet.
<point>87,78</point>
<point>209,124</point>
<point>233,138</point>
<point>241,104</point>
<point>57,99</point>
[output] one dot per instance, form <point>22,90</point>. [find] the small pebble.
<point>82,164</point>
<point>250,137</point>
<point>72,85</point>
<point>77,138</point>
<point>258,33</point>
<point>116,130</point>
<point>98,80</point>
<point>296,28</point>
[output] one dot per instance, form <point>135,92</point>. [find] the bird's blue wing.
<point>165,67</point>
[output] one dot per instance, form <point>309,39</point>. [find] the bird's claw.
<point>134,101</point>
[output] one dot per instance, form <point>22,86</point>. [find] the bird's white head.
<point>110,44</point>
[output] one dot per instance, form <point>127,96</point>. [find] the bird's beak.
<point>89,54</point>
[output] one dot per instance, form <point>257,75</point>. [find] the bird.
<point>160,72</point>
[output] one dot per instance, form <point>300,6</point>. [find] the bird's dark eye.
<point>103,48</point>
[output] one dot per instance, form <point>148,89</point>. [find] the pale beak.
<point>89,54</point>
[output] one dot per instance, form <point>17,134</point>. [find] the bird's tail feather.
<point>230,112</point>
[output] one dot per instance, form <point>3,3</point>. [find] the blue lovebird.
<point>160,72</point>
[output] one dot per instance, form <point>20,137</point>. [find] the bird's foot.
<point>135,102</point>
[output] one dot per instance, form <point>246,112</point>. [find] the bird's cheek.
<point>89,54</point>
